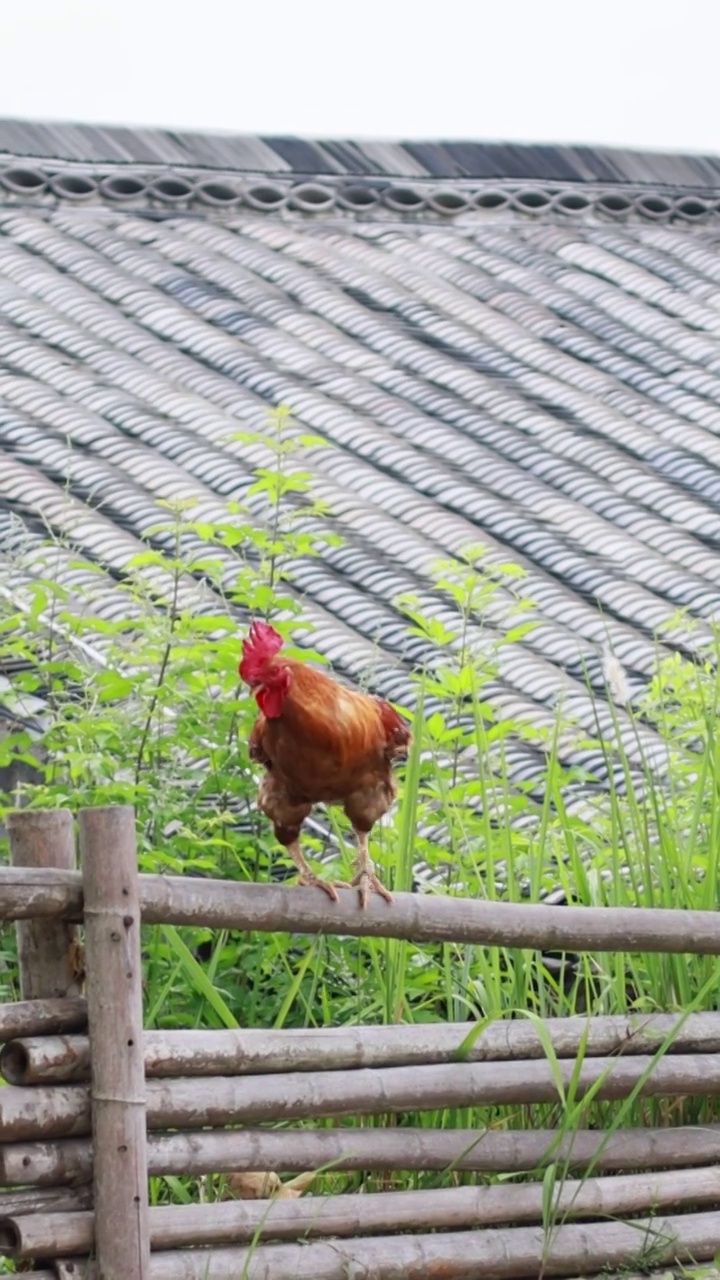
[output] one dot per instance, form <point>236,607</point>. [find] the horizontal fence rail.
<point>172,1227</point>
<point>32,1200</point>
<point>31,893</point>
<point>64,1058</point>
<point>41,1275</point>
<point>199,1152</point>
<point>59,1016</point>
<point>46,1111</point>
<point>516,1253</point>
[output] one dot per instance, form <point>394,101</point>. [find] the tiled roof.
<point>541,378</point>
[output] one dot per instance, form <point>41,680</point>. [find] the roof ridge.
<point>164,187</point>
<point>391,159</point>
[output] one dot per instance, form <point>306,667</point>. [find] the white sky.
<point>642,73</point>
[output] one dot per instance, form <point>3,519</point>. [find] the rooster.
<point>320,743</point>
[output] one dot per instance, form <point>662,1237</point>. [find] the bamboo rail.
<point>43,1059</point>
<point>385,1150</point>
<point>45,1200</point>
<point>218,904</point>
<point>516,1253</point>
<point>40,893</point>
<point>52,1111</point>
<point>45,1164</point>
<point>252,1099</point>
<point>42,1017</point>
<point>376,1149</point>
<point>46,1060</point>
<point>235,1221</point>
<point>40,1275</point>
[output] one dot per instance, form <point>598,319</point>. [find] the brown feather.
<point>330,744</point>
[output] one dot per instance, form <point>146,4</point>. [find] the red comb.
<point>259,648</point>
<point>263,636</point>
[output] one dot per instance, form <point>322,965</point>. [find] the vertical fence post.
<point>48,951</point>
<point>115,1020</point>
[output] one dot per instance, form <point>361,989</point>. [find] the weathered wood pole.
<point>35,1058</point>
<point>39,1275</point>
<point>40,1112</point>
<point>40,893</point>
<point>49,954</point>
<point>45,1060</point>
<point>508,1253</point>
<point>28,893</point>
<point>426,917</point>
<point>29,1235</point>
<point>114,996</point>
<point>51,1164</point>
<point>31,1202</point>
<point>54,1017</point>
<point>55,1164</point>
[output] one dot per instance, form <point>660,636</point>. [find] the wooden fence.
<point>94,1105</point>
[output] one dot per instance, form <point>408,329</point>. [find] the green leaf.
<point>198,978</point>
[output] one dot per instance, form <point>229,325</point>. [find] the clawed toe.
<point>308,880</point>
<point>364,882</point>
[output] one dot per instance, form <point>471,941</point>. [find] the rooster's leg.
<point>366,878</point>
<point>307,877</point>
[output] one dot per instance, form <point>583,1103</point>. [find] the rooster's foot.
<point>308,880</point>
<point>365,881</point>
